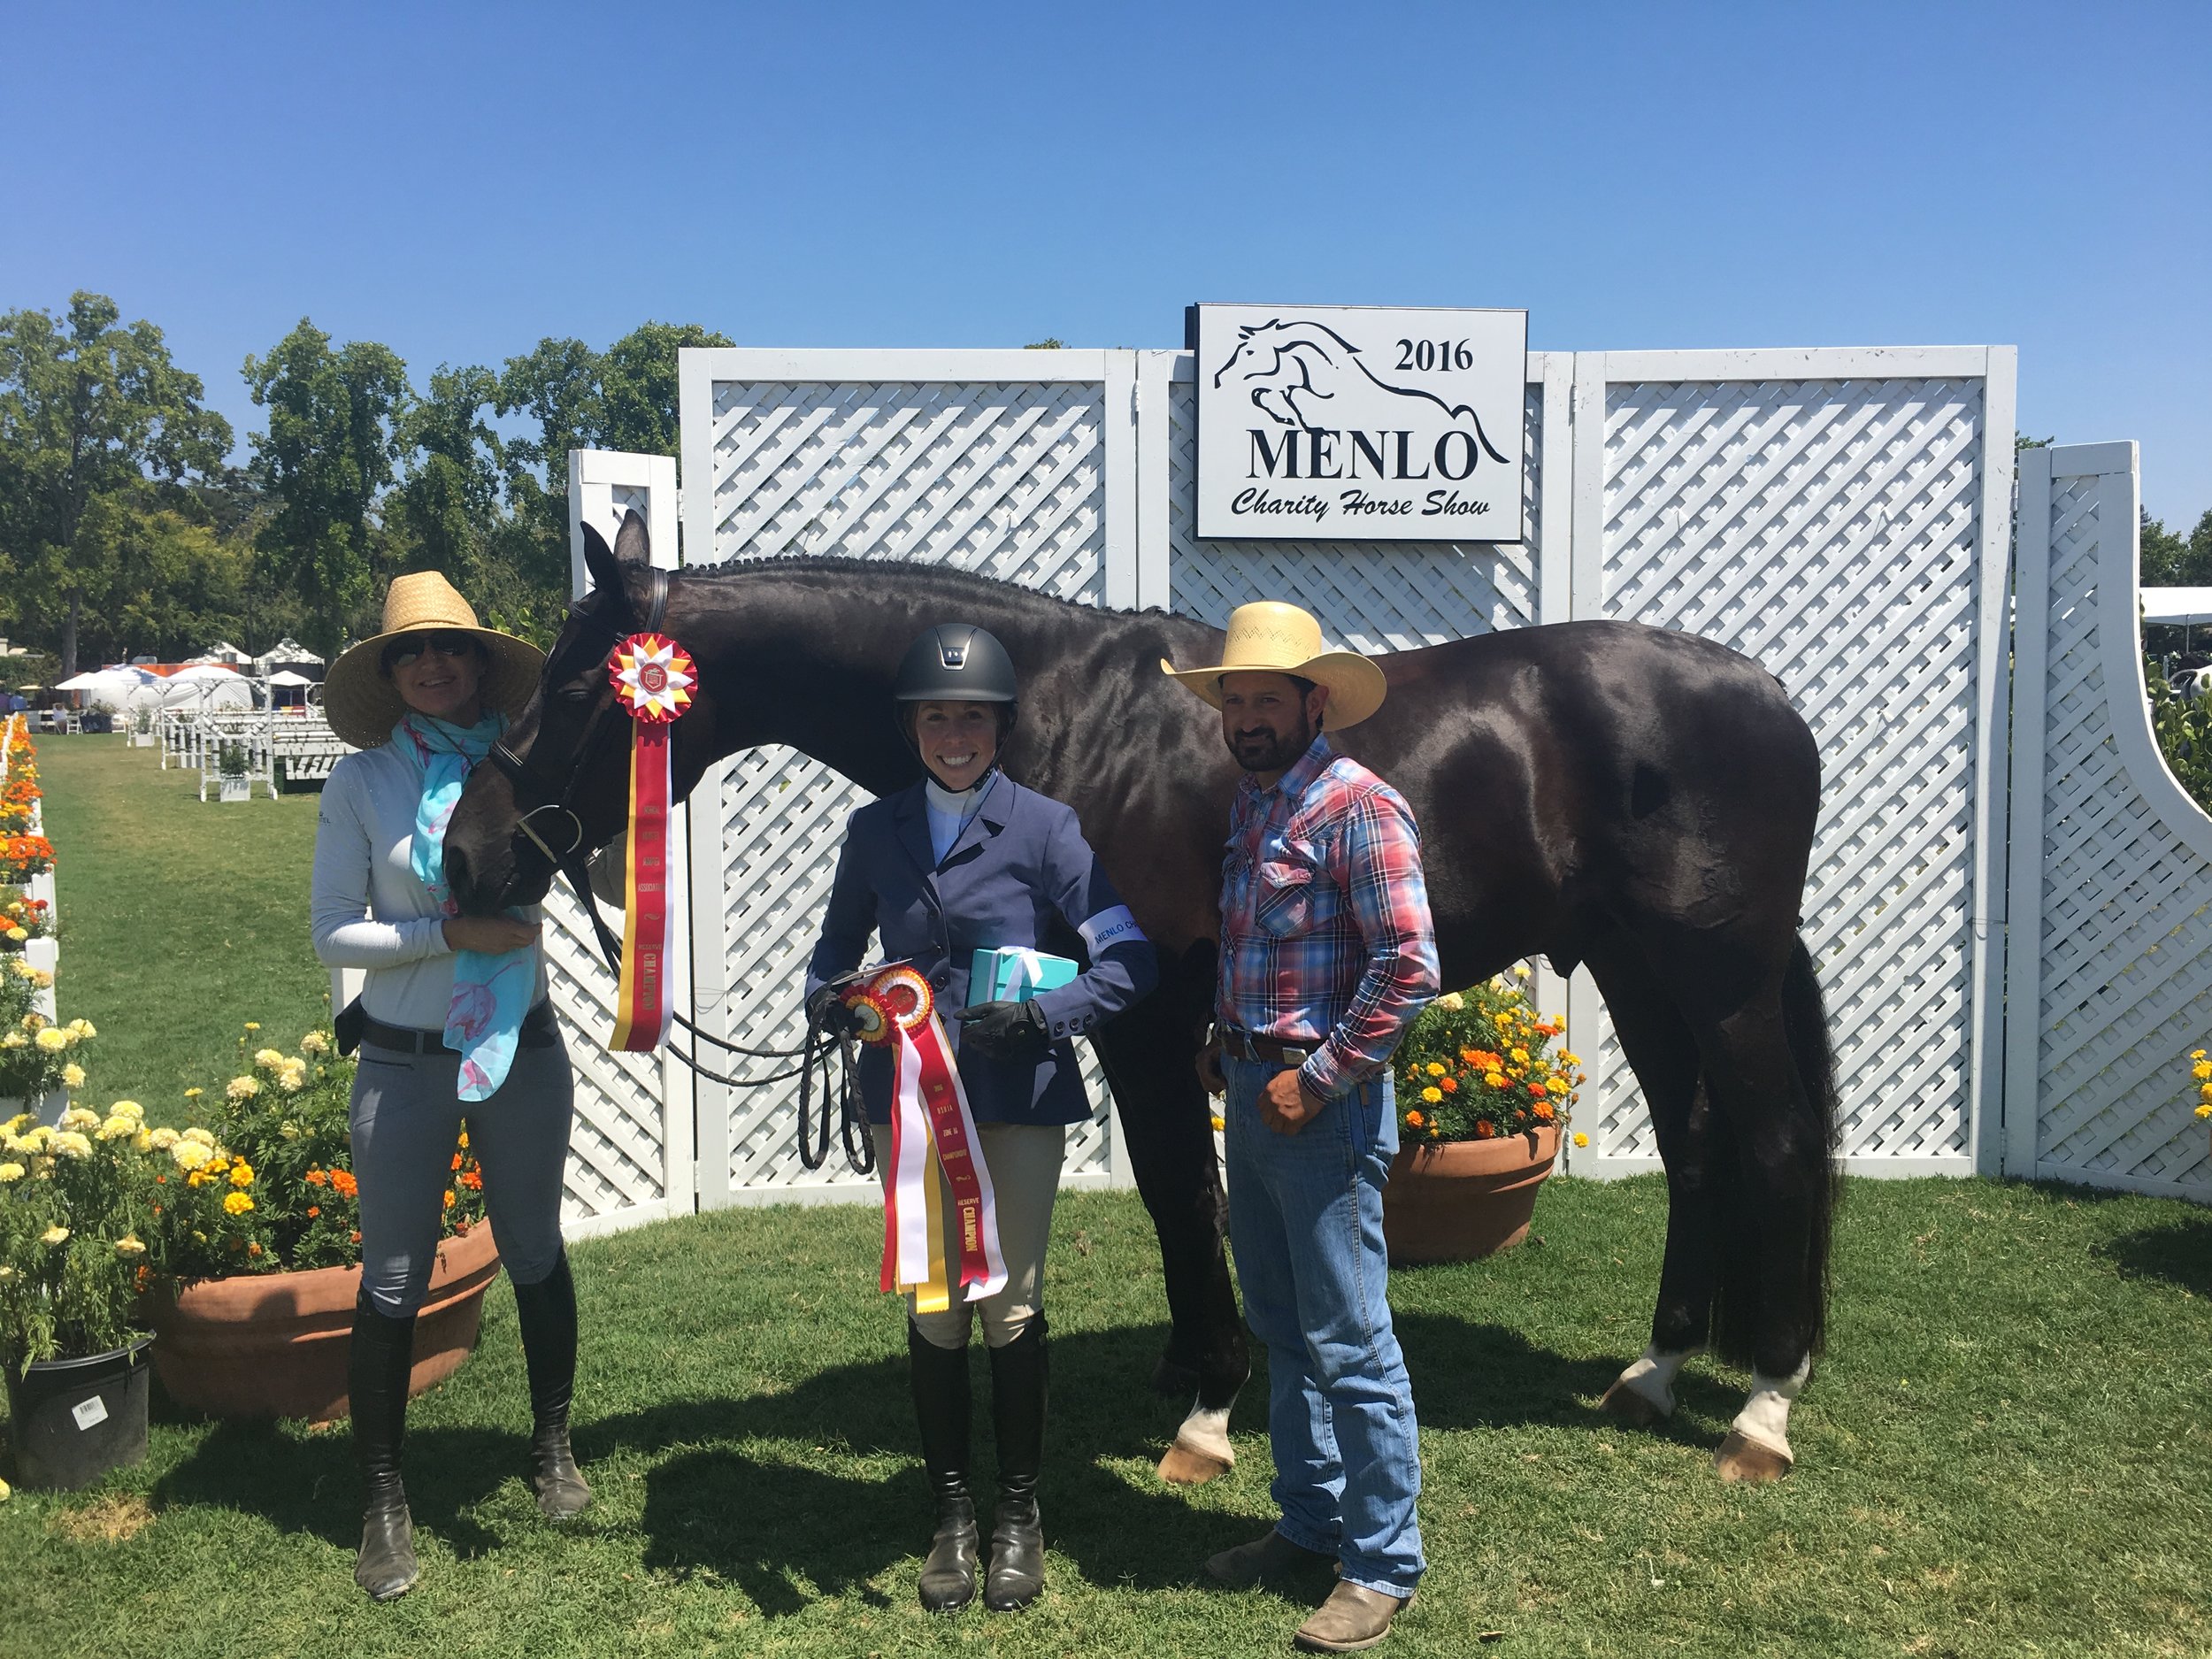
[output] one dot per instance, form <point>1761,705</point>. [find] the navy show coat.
<point>1021,866</point>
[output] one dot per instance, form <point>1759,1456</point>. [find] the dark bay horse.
<point>1604,792</point>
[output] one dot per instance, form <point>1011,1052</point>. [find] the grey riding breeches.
<point>407,1119</point>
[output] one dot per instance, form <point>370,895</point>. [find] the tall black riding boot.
<point>1018,1412</point>
<point>941,1408</point>
<point>547,1313</point>
<point>377,1370</point>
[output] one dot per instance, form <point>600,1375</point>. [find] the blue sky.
<point>458,181</point>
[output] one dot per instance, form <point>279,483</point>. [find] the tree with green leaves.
<point>332,449</point>
<point>98,428</point>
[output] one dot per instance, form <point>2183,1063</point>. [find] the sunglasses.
<point>408,647</point>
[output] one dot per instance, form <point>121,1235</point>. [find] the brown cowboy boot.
<point>1353,1617</point>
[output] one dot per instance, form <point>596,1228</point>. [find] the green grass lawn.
<point>180,920</point>
<point>2006,1453</point>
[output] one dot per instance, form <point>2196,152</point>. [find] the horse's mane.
<point>944,579</point>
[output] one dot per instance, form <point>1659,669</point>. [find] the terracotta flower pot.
<point>1453,1201</point>
<point>274,1345</point>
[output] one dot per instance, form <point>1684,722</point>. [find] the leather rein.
<point>821,1040</point>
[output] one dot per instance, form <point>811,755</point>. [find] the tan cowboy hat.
<point>363,705</point>
<point>1270,637</point>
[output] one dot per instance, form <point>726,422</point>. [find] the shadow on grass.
<point>2180,1253</point>
<point>756,1490</point>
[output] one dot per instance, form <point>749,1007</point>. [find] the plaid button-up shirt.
<point>1325,935</point>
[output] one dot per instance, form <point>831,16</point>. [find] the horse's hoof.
<point>1748,1461</point>
<point>1188,1466</point>
<point>1630,1406</point>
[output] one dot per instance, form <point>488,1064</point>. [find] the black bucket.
<point>72,1420</point>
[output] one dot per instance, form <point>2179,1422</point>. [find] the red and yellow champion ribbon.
<point>653,678</point>
<point>932,1131</point>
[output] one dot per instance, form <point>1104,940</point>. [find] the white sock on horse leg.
<point>1653,1375</point>
<point>1765,1417</point>
<point>1207,1430</point>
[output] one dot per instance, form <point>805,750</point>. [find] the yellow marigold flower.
<point>128,1246</point>
<point>52,1039</point>
<point>205,1137</point>
<point>10,1173</point>
<point>253,1024</point>
<point>117,1129</point>
<point>268,1059</point>
<point>18,935</point>
<point>22,970</point>
<point>71,1144</point>
<point>128,1108</point>
<point>2202,1112</point>
<point>190,1155</point>
<point>1432,1095</point>
<point>1581,1140</point>
<point>1451,1002</point>
<point>163,1137</point>
<point>144,1140</point>
<point>43,978</point>
<point>78,1118</point>
<point>1219,1123</point>
<point>2196,1054</point>
<point>1435,1070</point>
<point>463,1142</point>
<point>292,1076</point>
<point>242,1173</point>
<point>1570,1057</point>
<point>54,1235</point>
<point>15,1039</point>
<point>2201,1070</point>
<point>14,1125</point>
<point>193,1093</point>
<point>315,1042</point>
<point>236,1203</point>
<point>82,1028</point>
<point>36,1139</point>
<point>242,1089</point>
<point>2204,1091</point>
<point>72,1076</point>
<point>1495,1080</point>
<point>1520,969</point>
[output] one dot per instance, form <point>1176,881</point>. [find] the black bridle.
<point>822,1036</point>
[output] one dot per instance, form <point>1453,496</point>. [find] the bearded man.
<point>1327,953</point>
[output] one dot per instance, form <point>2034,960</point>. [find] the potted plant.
<point>39,1057</point>
<point>232,782</point>
<point>261,1246</point>
<point>1482,1099</point>
<point>142,728</point>
<point>76,1207</point>
<point>22,920</point>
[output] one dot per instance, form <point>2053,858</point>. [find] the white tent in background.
<point>107,689</point>
<point>206,686</point>
<point>2177,606</point>
<point>286,677</point>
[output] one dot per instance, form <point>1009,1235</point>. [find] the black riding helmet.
<point>956,662</point>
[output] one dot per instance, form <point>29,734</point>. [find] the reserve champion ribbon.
<point>932,1132</point>
<point>653,680</point>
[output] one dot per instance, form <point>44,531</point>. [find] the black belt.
<point>1265,1050</point>
<point>539,1031</point>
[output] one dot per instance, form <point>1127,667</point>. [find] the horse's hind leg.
<point>1773,1286</point>
<point>1661,1050</point>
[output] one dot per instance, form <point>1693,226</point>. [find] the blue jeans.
<point>1305,1220</point>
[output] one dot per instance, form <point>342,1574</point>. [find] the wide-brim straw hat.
<point>363,705</point>
<point>1270,637</point>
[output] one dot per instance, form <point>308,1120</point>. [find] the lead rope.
<point>813,1053</point>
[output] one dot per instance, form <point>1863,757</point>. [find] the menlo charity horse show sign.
<point>1359,423</point>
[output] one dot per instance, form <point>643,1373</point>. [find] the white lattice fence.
<point>991,462</point>
<point>1839,516</point>
<point>2110,956</point>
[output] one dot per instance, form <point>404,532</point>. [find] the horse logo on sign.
<point>1289,365</point>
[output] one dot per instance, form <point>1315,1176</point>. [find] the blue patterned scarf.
<point>491,991</point>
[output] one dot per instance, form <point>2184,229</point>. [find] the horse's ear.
<point>606,574</point>
<point>630,542</point>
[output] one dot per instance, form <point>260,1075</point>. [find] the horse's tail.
<point>1812,1143</point>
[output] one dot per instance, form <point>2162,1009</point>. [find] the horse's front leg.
<point>1150,1063</point>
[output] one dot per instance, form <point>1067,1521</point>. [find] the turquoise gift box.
<point>1013,974</point>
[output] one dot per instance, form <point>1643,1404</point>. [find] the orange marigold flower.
<point>1542,1110</point>
<point>471,1179</point>
<point>449,1198</point>
<point>342,1183</point>
<point>314,1210</point>
<point>1449,1085</point>
<point>356,1235</point>
<point>315,1177</point>
<point>456,1160</point>
<point>1486,1130</point>
<point>1536,1089</point>
<point>253,1249</point>
<point>1414,1118</point>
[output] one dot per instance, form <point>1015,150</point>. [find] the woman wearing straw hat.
<point>453,1023</point>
